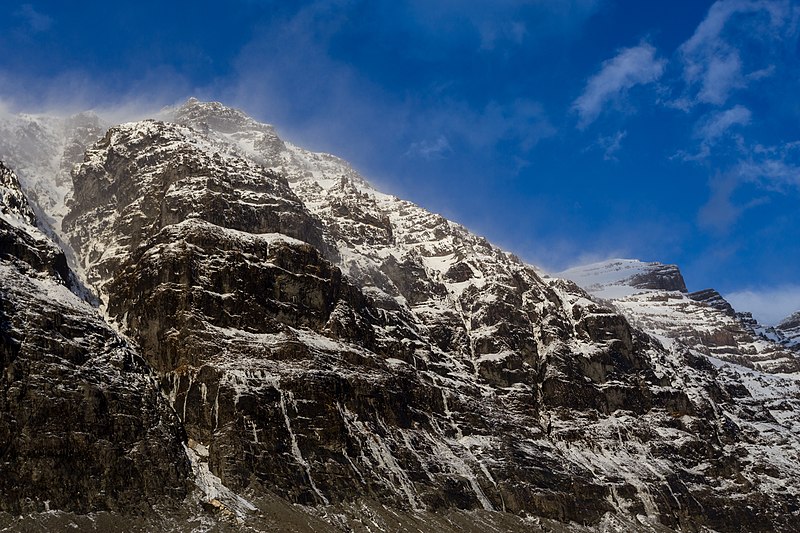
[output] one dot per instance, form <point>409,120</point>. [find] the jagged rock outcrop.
<point>713,299</point>
<point>661,277</point>
<point>324,344</point>
<point>83,426</point>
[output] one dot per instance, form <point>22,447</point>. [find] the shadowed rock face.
<point>20,240</point>
<point>332,345</point>
<point>662,277</point>
<point>290,374</point>
<point>713,299</point>
<point>83,426</point>
<point>789,330</point>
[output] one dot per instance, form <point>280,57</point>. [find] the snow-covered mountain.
<point>653,297</point>
<point>42,149</point>
<point>334,358</point>
<point>789,331</point>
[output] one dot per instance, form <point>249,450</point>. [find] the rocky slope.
<point>654,297</point>
<point>83,426</point>
<point>324,344</point>
<point>789,331</point>
<point>42,150</point>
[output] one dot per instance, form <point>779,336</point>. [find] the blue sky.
<point>566,131</point>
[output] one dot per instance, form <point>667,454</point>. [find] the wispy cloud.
<point>610,145</point>
<point>438,148</point>
<point>739,44</point>
<point>75,91</point>
<point>35,20</point>
<point>712,128</point>
<point>717,124</point>
<point>713,66</point>
<point>769,305</point>
<point>511,32</point>
<point>521,121</point>
<point>722,75</point>
<point>501,23</point>
<point>630,67</point>
<point>766,171</point>
<point>721,211</point>
<point>774,169</point>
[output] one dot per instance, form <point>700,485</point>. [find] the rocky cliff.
<point>317,342</point>
<point>83,426</point>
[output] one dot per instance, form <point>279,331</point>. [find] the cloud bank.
<point>768,305</point>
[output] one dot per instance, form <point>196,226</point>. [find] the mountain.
<point>330,357</point>
<point>789,331</point>
<point>82,426</point>
<point>43,149</point>
<point>653,297</point>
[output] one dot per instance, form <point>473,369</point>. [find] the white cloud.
<point>37,22</point>
<point>438,148</point>
<point>712,64</point>
<point>716,124</point>
<point>768,305</point>
<point>630,67</point>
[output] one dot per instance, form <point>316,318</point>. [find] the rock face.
<point>325,344</point>
<point>713,299</point>
<point>42,150</point>
<point>702,321</point>
<point>82,424</point>
<point>789,330</point>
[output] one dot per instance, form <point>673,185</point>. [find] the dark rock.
<point>662,277</point>
<point>714,299</point>
<point>83,426</point>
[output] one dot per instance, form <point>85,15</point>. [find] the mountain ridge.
<point>703,320</point>
<point>324,342</point>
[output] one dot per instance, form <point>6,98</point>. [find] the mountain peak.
<point>217,116</point>
<point>616,278</point>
